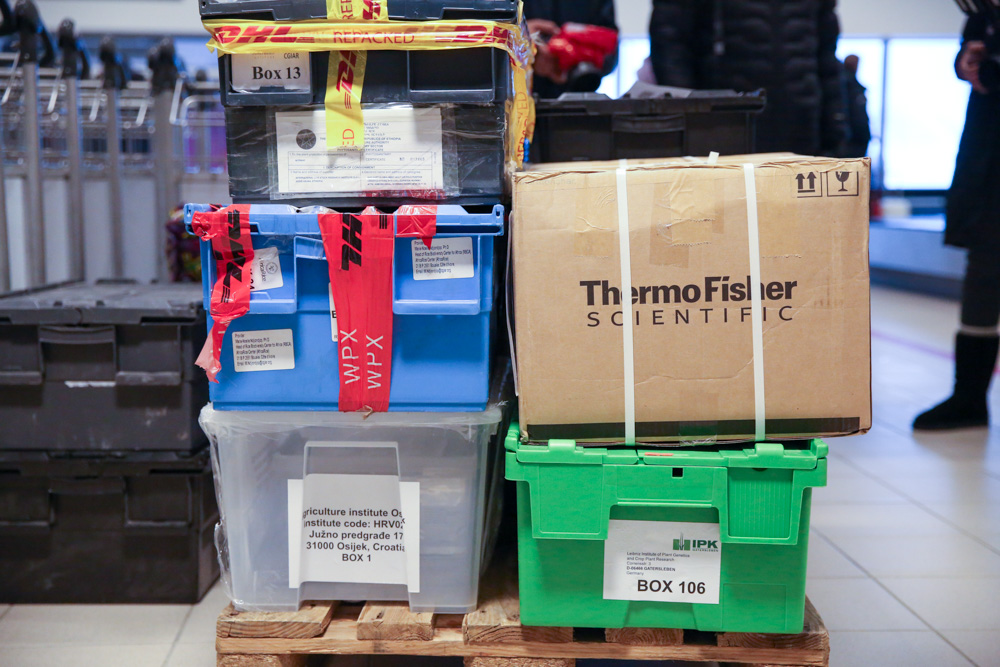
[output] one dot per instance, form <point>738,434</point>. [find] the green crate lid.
<point>794,456</point>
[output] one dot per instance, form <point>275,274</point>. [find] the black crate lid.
<point>411,10</point>
<point>104,302</point>
<point>101,463</point>
<point>693,101</point>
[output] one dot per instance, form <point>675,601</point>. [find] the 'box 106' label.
<point>662,561</point>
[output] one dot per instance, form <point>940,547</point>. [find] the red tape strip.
<point>359,251</point>
<point>419,221</point>
<point>228,230</point>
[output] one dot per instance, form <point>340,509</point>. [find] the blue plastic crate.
<point>443,329</point>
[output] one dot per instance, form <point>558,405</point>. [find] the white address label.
<point>253,71</point>
<point>445,259</point>
<point>270,350</point>
<point>354,529</point>
<point>662,561</point>
<point>265,272</point>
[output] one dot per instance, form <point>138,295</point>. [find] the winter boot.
<point>975,357</point>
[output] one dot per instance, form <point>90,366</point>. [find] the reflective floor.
<point>904,558</point>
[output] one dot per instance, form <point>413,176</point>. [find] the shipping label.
<point>662,561</point>
<point>271,350</point>
<point>354,529</point>
<point>253,71</point>
<point>403,151</point>
<point>265,270</point>
<point>444,259</point>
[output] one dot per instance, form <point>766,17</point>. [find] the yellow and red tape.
<point>354,27</point>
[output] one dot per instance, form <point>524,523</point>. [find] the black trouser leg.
<point>976,347</point>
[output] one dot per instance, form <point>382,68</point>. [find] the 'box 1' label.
<point>445,259</point>
<point>270,350</point>
<point>662,561</point>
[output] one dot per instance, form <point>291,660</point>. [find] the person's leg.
<point>976,347</point>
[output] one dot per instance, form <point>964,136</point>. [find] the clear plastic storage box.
<point>438,472</point>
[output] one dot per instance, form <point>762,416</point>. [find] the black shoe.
<point>953,413</point>
<point>975,358</point>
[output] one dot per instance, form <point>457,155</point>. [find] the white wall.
<point>177,17</point>
<point>857,17</point>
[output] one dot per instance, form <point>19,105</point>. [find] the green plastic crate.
<point>759,498</point>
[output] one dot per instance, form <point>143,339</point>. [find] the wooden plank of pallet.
<point>814,636</point>
<point>393,621</point>
<point>340,638</point>
<point>498,619</point>
<point>644,636</point>
<point>519,662</point>
<point>309,621</point>
<point>237,660</point>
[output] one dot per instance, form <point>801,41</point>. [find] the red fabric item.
<point>577,43</point>
<point>419,221</point>
<point>228,230</point>
<point>359,250</point>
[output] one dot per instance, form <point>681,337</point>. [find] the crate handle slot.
<point>649,124</point>
<point>58,335</point>
<point>91,486</point>
<point>13,378</point>
<point>148,379</point>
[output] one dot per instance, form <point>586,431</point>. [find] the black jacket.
<point>590,12</point>
<point>787,47</point>
<point>859,125</point>
<point>973,212</point>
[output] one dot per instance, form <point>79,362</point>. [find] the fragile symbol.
<point>842,183</point>
<point>842,176</point>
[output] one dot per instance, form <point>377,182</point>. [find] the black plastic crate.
<point>478,75</point>
<point>134,527</point>
<point>473,150</point>
<point>105,367</point>
<point>400,10</point>
<point>591,126</point>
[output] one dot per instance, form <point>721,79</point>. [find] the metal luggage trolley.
<point>41,139</point>
<point>202,123</point>
<point>57,123</point>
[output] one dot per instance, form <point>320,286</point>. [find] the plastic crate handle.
<point>102,335</point>
<point>309,248</point>
<point>648,124</point>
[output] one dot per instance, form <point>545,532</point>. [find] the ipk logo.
<point>680,544</point>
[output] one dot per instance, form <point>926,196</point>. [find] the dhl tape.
<point>348,34</point>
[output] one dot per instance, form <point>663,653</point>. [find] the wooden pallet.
<point>491,636</point>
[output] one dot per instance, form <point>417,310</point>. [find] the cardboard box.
<point>693,340</point>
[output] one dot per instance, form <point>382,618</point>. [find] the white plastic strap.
<point>628,316</point>
<point>756,316</point>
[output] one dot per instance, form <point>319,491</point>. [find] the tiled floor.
<point>904,559</point>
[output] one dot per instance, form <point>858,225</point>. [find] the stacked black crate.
<point>437,117</point>
<point>105,479</point>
